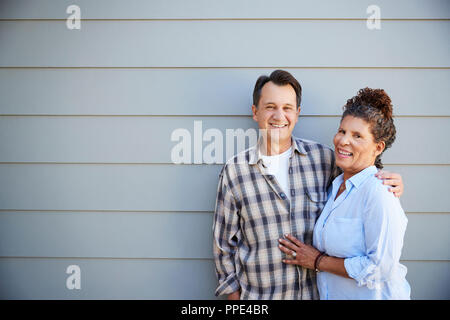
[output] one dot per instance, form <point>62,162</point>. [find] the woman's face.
<point>354,146</point>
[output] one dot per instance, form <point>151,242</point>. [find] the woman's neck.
<point>348,174</point>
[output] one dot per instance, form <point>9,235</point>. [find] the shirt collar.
<point>255,154</point>
<point>360,177</point>
<point>355,180</point>
<point>298,146</point>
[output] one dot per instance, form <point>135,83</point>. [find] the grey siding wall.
<point>86,117</point>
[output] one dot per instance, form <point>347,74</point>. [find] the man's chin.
<point>279,137</point>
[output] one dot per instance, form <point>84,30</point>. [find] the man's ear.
<point>298,110</point>
<point>254,110</point>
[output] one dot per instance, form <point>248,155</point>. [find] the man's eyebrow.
<point>286,104</point>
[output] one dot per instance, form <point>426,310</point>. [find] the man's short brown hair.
<point>278,77</point>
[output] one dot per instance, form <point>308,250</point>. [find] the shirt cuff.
<point>363,271</point>
<point>229,285</point>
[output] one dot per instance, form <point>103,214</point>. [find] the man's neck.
<point>273,149</point>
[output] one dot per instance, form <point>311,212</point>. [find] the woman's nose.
<point>343,140</point>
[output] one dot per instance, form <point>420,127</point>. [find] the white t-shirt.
<point>278,165</point>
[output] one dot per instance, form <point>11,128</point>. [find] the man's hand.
<point>235,295</point>
<point>393,179</point>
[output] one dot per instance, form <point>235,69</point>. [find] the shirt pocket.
<point>316,202</point>
<point>344,237</point>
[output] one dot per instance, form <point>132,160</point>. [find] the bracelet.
<point>317,261</point>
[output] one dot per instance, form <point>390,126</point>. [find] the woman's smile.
<point>354,145</point>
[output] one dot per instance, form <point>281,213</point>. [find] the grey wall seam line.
<point>103,258</point>
<point>150,211</point>
<point>177,164</point>
<point>104,211</point>
<point>165,259</point>
<point>229,67</point>
<point>216,19</point>
<point>196,116</point>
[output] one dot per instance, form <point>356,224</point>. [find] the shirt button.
<point>283,196</point>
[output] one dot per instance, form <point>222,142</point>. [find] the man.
<point>275,188</point>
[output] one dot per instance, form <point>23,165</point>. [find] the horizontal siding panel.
<point>24,278</point>
<point>432,227</point>
<point>106,234</point>
<point>225,44</point>
<point>209,91</point>
<point>144,9</point>
<point>183,235</point>
<point>165,187</point>
<point>149,139</point>
<point>425,187</point>
<point>428,279</point>
<point>107,279</point>
<point>100,187</point>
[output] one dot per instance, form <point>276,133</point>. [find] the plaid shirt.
<point>253,212</point>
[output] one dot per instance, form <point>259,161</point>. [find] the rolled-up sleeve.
<point>384,229</point>
<point>226,233</point>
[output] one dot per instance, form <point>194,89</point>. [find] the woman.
<point>359,235</point>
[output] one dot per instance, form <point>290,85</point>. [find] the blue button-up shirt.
<point>365,225</point>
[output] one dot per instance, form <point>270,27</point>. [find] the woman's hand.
<point>303,255</point>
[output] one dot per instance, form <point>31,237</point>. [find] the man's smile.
<point>278,126</point>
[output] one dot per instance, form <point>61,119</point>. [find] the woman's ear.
<point>380,148</point>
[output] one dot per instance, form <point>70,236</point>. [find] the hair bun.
<point>376,98</point>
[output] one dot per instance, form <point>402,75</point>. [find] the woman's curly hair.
<point>375,107</point>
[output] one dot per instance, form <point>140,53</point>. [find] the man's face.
<point>277,111</point>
